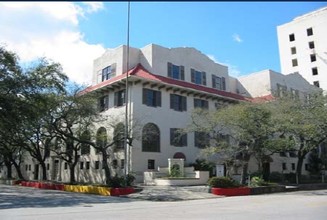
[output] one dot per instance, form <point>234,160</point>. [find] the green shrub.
<point>120,181</point>
<point>222,182</point>
<point>276,177</point>
<point>257,181</point>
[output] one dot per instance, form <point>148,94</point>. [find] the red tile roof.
<point>140,72</point>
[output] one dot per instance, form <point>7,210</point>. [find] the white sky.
<point>50,29</point>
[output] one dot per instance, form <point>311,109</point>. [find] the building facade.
<point>303,47</point>
<point>164,86</point>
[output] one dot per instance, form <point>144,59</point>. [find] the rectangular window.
<point>294,62</point>
<point>293,154</point>
<point>200,103</point>
<point>119,98</point>
<point>97,165</point>
<point>103,103</point>
<point>314,71</point>
<point>151,98</point>
<point>151,164</point>
<point>293,50</point>
<point>26,167</point>
<point>311,45</point>
<point>293,166</point>
<point>115,164</point>
<point>87,165</point>
<point>292,37</point>
<point>309,32</point>
<point>198,77</point>
<point>122,163</point>
<point>313,57</point>
<point>107,73</point>
<point>282,154</point>
<point>178,102</point>
<point>175,72</point>
<point>48,166</point>
<point>29,167</point>
<point>306,166</point>
<point>316,83</point>
<point>81,165</point>
<point>284,166</point>
<point>218,82</point>
<point>201,139</point>
<point>281,90</point>
<point>66,166</point>
<point>177,138</point>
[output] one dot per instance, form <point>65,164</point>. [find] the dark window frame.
<point>198,77</point>
<point>314,71</point>
<point>292,37</point>
<point>119,98</point>
<point>177,138</point>
<point>309,31</point>
<point>150,138</point>
<point>175,71</point>
<point>151,164</point>
<point>178,102</point>
<point>151,97</point>
<point>201,103</point>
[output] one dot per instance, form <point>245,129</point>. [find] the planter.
<point>121,191</point>
<point>240,191</point>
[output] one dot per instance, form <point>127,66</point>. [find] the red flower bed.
<point>240,191</point>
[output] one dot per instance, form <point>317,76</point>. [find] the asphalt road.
<point>28,203</point>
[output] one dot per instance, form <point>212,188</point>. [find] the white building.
<point>303,47</point>
<point>165,85</point>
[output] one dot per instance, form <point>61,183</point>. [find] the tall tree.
<point>304,121</point>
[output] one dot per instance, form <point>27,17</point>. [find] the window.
<point>292,37</point>
<point>151,164</point>
<point>29,167</point>
<point>281,90</point>
<point>66,166</point>
<point>115,164</point>
<point>87,165</point>
<point>85,148</point>
<point>294,62</point>
<point>293,50</point>
<point>122,163</point>
<point>293,166</point>
<point>306,166</point>
<point>309,32</point>
<point>119,98</point>
<point>107,73</point>
<point>293,154</point>
<point>151,98</point>
<point>26,167</point>
<point>282,154</point>
<point>295,93</point>
<point>311,45</point>
<point>198,77</point>
<point>314,71</point>
<point>176,72</point>
<point>200,103</point>
<point>178,102</point>
<point>119,134</point>
<point>81,165</point>
<point>284,166</point>
<point>177,138</point>
<point>97,165</point>
<point>103,103</point>
<point>313,57</point>
<point>316,83</point>
<point>218,82</point>
<point>150,138</point>
<point>48,166</point>
<point>201,139</point>
<point>101,138</point>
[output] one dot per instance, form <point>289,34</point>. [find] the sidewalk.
<point>171,193</point>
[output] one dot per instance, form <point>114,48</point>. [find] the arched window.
<point>101,138</point>
<point>85,148</point>
<point>119,136</point>
<point>150,138</point>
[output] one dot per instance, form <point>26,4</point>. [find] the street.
<point>28,203</point>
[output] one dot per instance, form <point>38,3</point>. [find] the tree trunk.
<point>244,172</point>
<point>72,172</point>
<point>299,165</point>
<point>106,166</point>
<point>44,170</point>
<point>9,169</point>
<point>19,172</point>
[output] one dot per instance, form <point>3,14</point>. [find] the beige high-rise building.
<point>303,47</point>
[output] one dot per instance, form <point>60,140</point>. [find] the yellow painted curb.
<point>105,191</point>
